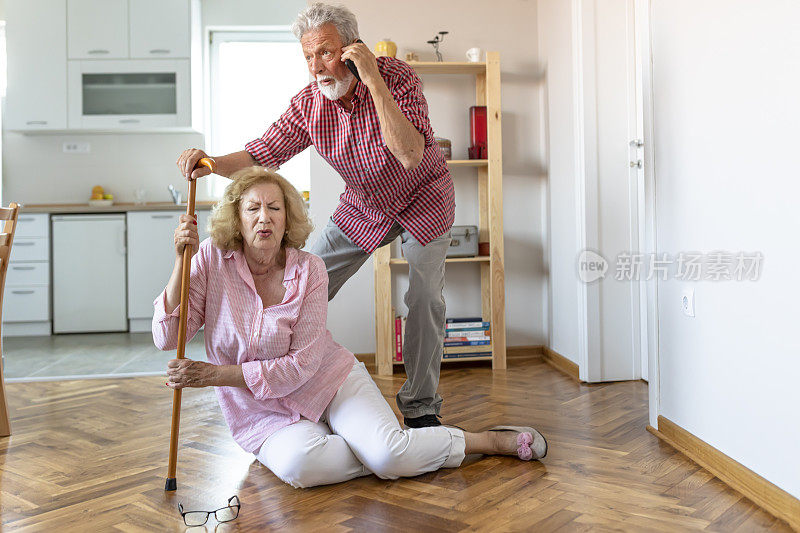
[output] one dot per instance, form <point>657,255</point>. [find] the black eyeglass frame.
<point>237,504</point>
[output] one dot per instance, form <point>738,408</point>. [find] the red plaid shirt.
<point>378,190</point>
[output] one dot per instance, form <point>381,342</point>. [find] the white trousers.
<point>357,436</point>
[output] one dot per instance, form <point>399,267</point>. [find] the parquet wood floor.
<point>92,456</point>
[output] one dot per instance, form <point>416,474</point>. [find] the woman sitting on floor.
<point>301,403</point>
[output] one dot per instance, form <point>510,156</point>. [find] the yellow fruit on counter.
<point>97,190</point>
<point>108,197</point>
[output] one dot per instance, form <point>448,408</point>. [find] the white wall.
<point>556,49</point>
<point>726,85</point>
<point>250,12</point>
<point>508,26</point>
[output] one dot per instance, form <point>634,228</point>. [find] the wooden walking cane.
<point>186,269</point>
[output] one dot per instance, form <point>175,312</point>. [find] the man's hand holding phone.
<point>364,60</point>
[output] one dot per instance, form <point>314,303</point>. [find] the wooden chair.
<point>9,214</point>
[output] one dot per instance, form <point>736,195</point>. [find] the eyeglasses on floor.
<point>223,514</point>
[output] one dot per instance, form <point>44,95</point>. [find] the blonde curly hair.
<point>223,225</point>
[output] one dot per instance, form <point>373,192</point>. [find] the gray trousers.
<point>424,339</point>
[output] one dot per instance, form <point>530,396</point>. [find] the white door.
<point>97,29</point>
<point>613,128</point>
<point>89,273</point>
<point>36,39</point>
<point>159,28</point>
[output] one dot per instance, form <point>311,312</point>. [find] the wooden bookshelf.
<point>451,67</point>
<point>457,359</point>
<point>467,162</point>
<point>465,359</point>
<point>477,259</point>
<point>490,224</point>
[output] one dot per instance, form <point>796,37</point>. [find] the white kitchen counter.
<point>65,209</point>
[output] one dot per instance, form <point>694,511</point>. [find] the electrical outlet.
<point>687,302</point>
<point>72,147</point>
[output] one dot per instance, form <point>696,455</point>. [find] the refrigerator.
<point>89,276</point>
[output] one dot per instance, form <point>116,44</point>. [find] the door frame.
<point>648,228</point>
<point>582,175</point>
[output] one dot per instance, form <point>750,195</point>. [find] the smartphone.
<point>352,66</point>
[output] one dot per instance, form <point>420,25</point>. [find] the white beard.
<point>339,87</point>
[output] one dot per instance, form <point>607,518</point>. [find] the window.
<point>254,75</point>
<point>3,83</point>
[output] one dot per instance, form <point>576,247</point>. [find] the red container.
<point>477,132</point>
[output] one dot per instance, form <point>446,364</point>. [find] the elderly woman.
<point>292,396</point>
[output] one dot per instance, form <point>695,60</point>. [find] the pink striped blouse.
<point>290,362</point>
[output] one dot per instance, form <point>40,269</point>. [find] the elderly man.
<point>376,134</point>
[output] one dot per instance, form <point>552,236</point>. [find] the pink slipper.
<point>531,444</point>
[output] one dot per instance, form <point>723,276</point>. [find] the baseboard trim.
<point>536,350</point>
<point>27,329</point>
<point>763,493</point>
<point>140,325</point>
<point>366,358</point>
<point>559,362</point>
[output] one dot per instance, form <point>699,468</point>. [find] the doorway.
<point>615,189</point>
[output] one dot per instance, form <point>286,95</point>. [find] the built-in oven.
<point>131,94</point>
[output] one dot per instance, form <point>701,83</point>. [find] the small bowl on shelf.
<point>101,203</point>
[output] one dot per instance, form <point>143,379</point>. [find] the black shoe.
<point>424,421</point>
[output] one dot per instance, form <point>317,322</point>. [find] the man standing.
<point>377,135</point>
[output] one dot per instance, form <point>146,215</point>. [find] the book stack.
<point>467,337</point>
<point>463,337</point>
<point>399,335</point>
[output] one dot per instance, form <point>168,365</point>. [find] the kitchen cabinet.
<point>89,273</point>
<point>107,268</point>
<point>103,65</point>
<point>97,29</point>
<point>36,48</point>
<point>151,255</point>
<point>159,28</point>
<point>102,29</point>
<point>26,305</point>
<point>30,307</point>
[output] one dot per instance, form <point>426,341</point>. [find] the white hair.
<point>319,14</point>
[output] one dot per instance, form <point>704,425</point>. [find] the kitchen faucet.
<point>176,194</point>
